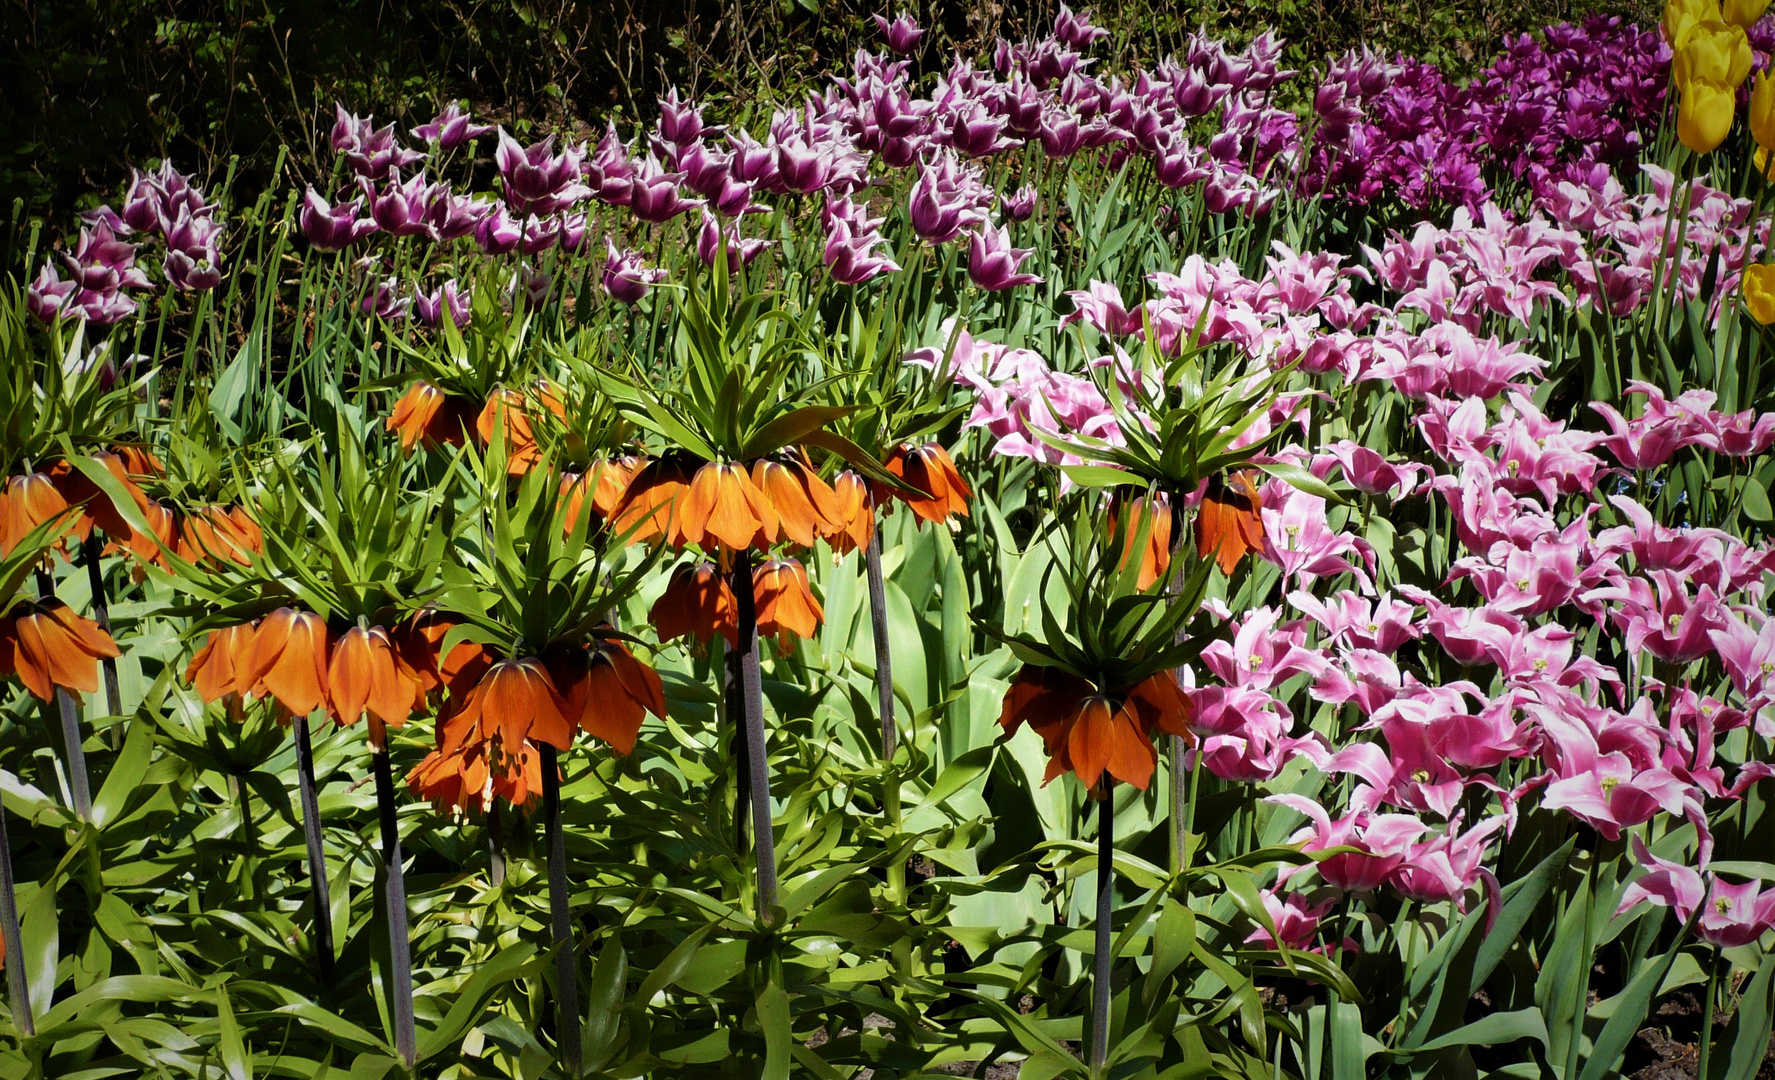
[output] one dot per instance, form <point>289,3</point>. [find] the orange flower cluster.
<point>292,657</point>
<point>30,499</point>
<point>489,746</point>
<point>929,469</point>
<point>211,535</point>
<point>46,645</point>
<point>1092,733</point>
<point>1229,523</point>
<point>605,482</point>
<point>728,507</point>
<point>427,416</point>
<point>1126,515</point>
<point>699,603</point>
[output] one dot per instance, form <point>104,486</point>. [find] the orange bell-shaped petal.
<point>516,700</point>
<point>508,408</point>
<point>805,505</point>
<point>96,506</point>
<point>652,502</point>
<point>51,646</point>
<point>1159,704</point>
<point>427,415</point>
<point>929,470</point>
<point>724,507</point>
<point>289,660</point>
<point>365,673</point>
<point>1229,523</point>
<point>855,518</point>
<point>1045,698</point>
<point>1127,516</point>
<point>607,691</point>
<point>697,602</point>
<point>785,602</point>
<point>221,667</point>
<point>28,501</point>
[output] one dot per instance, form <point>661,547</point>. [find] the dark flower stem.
<point>71,738</point>
<point>400,947</point>
<point>101,614</point>
<point>736,716</point>
<point>317,859</point>
<point>560,918</point>
<point>495,846</point>
<point>878,621</point>
<point>16,984</point>
<point>1100,987</point>
<point>757,766</point>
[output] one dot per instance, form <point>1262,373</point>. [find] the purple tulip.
<point>573,232</point>
<point>540,234</point>
<point>654,194</point>
<point>538,286</point>
<point>1061,132</point>
<point>156,199</point>
<point>48,295</point>
<point>706,169</point>
<point>194,271</point>
<point>103,263</point>
<point>626,278</point>
<point>404,209</point>
<point>751,162</point>
<point>947,197</point>
<point>332,228</point>
<point>739,252</point>
<point>975,132</point>
<point>609,169</point>
<point>451,216</point>
<point>370,151</point>
<point>851,239</point>
<point>1021,105</point>
<point>100,308</point>
<point>451,128</point>
<point>1020,206</point>
<point>498,233</point>
<point>108,217</point>
<point>902,34</point>
<point>993,262</point>
<point>385,300</point>
<point>680,122</point>
<point>538,180</point>
<point>1180,164</point>
<point>430,307</point>
<point>1076,30</point>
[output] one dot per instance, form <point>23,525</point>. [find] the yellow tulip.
<point>1762,111</point>
<point>1744,13</point>
<point>1704,117</point>
<point>1681,16</point>
<point>1714,51</point>
<point>1759,292</point>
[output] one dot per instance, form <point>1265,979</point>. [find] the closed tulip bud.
<point>1744,13</point>
<point>1682,16</point>
<point>1759,292</point>
<point>1714,52</point>
<point>1704,117</point>
<point>1762,111</point>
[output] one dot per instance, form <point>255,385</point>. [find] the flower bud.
<point>1704,117</point>
<point>1759,292</point>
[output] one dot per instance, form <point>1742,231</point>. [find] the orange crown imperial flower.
<point>1229,522</point>
<point>1090,733</point>
<point>222,666</point>
<point>607,691</point>
<point>930,470</point>
<point>215,535</point>
<point>650,503</point>
<point>366,674</point>
<point>856,514</point>
<point>510,408</point>
<point>1126,516</point>
<point>288,660</point>
<point>27,502</point>
<point>473,774</point>
<point>785,602</point>
<point>699,603</point>
<point>425,414</point>
<point>47,645</point>
<point>724,508</point>
<point>514,701</point>
<point>607,480</point>
<point>806,506</point>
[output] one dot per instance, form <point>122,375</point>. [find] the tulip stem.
<point>884,664</point>
<point>560,918</point>
<point>317,859</point>
<point>71,738</point>
<point>1100,988</point>
<point>101,614</point>
<point>16,984</point>
<point>400,947</point>
<point>757,766</point>
<point>1705,1053</point>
